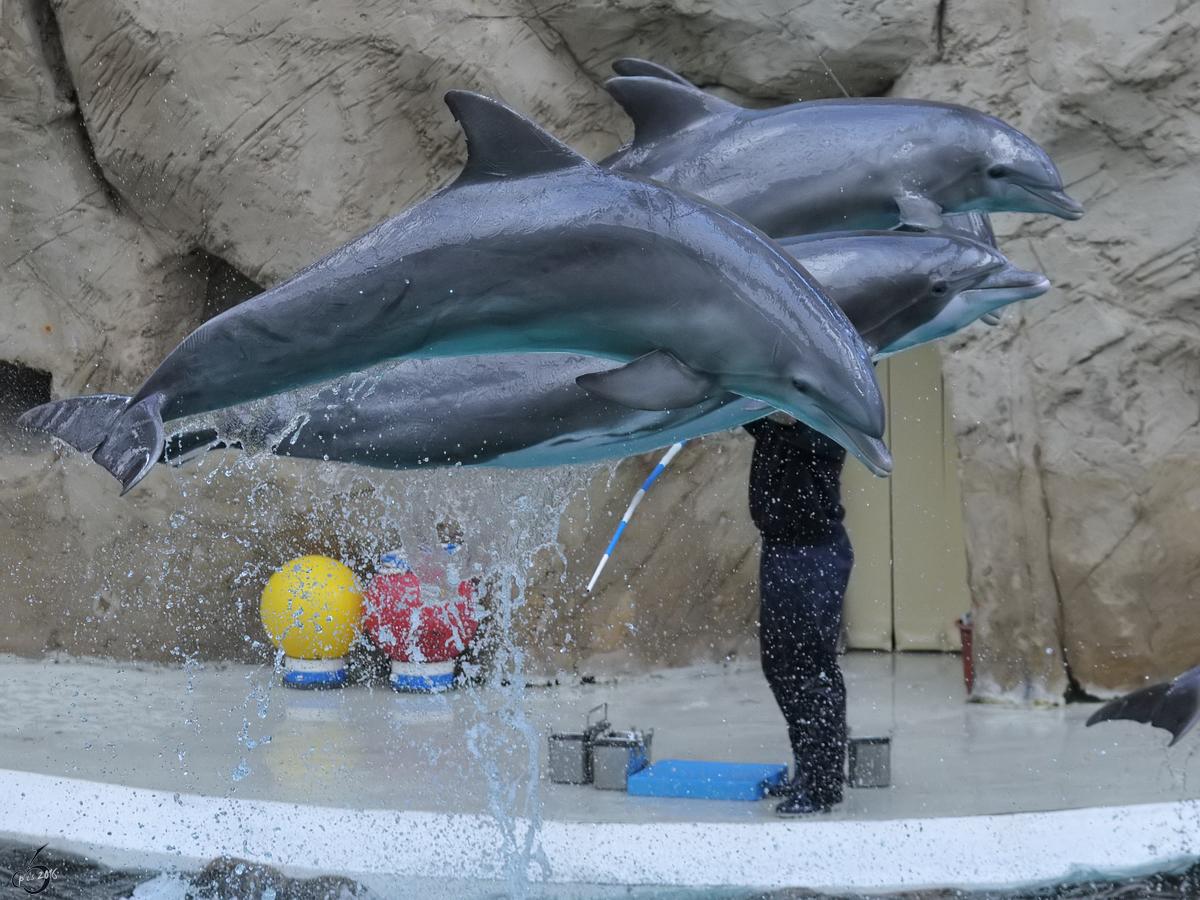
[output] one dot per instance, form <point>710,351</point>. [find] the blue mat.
<point>706,780</point>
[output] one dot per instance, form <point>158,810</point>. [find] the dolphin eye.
<point>802,386</point>
<point>997,171</point>
<point>939,289</point>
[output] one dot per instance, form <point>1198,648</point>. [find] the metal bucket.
<point>571,751</point>
<point>870,762</point>
<point>619,754</point>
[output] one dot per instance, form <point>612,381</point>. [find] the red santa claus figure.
<point>423,620</point>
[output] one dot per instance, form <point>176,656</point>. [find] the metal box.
<point>870,762</point>
<point>571,751</point>
<point>617,755</point>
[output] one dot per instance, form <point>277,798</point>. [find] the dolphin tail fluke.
<point>1172,705</point>
<point>126,440</point>
<point>1180,710</point>
<point>135,443</point>
<point>82,422</point>
<point>1141,705</point>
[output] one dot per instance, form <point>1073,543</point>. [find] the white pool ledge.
<point>122,826</point>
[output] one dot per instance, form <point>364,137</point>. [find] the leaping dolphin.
<point>831,165</point>
<point>1173,705</point>
<point>978,227</point>
<point>524,410</point>
<point>531,248</point>
<point>901,289</point>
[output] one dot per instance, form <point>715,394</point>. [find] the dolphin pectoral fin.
<point>135,443</point>
<point>633,67</point>
<point>660,108</point>
<point>919,212</point>
<point>751,405</point>
<point>501,143</point>
<point>990,318</point>
<point>655,381</point>
<point>83,422</point>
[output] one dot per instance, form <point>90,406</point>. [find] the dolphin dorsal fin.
<point>632,66</point>
<point>973,224</point>
<point>660,108</point>
<point>502,143</point>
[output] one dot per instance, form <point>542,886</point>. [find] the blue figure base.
<point>315,679</point>
<point>314,673</point>
<point>422,678</point>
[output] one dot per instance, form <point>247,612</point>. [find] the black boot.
<point>819,776</point>
<point>801,803</point>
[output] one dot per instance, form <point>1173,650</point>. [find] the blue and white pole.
<point>637,498</point>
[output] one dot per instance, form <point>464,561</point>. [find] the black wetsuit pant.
<point>800,618</point>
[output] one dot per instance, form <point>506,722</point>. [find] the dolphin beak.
<point>1056,202</point>
<point>1007,285</point>
<point>871,452</point>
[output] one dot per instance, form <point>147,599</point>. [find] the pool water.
<point>233,879</point>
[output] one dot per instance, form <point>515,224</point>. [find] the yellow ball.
<point>312,608</point>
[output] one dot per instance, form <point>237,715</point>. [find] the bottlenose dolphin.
<point>977,226</point>
<point>901,289</point>
<point>1173,705</point>
<point>525,410</point>
<point>831,165</point>
<point>531,248</point>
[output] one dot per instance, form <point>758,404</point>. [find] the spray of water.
<point>355,515</point>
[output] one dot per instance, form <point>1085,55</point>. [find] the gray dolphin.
<point>531,248</point>
<point>831,165</point>
<point>1173,705</point>
<point>902,289</point>
<point>525,410</point>
<point>977,226</point>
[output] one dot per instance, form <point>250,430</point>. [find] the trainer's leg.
<point>803,589</point>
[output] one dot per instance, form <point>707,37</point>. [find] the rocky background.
<point>164,160</point>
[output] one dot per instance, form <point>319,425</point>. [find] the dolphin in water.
<point>531,248</point>
<point>523,410</point>
<point>831,165</point>
<point>1172,705</point>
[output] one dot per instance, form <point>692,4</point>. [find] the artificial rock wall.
<point>163,159</point>
<point>1076,420</point>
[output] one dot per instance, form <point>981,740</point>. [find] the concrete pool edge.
<point>122,826</point>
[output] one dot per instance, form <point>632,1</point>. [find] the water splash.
<point>291,507</point>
